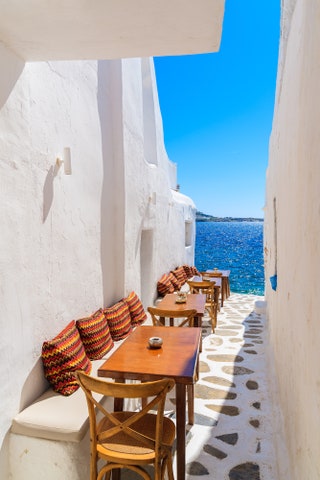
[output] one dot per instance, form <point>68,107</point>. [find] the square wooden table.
<point>194,301</point>
<point>177,359</point>
<point>225,290</point>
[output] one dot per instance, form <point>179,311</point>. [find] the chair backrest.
<point>205,286</point>
<point>158,316</point>
<point>154,395</point>
<point>211,274</point>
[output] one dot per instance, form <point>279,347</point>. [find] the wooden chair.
<point>126,439</point>
<point>225,284</point>
<point>211,274</point>
<point>159,317</point>
<point>212,297</point>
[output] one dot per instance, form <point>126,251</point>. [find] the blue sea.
<point>235,246</point>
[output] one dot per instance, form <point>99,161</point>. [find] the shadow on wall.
<point>48,191</point>
<point>11,68</point>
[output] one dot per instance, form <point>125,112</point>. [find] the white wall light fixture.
<point>66,160</point>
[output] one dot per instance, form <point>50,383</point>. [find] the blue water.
<point>235,246</point>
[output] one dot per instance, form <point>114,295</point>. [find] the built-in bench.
<point>175,281</point>
<point>49,438</point>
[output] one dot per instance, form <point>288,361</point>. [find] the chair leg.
<point>168,466</point>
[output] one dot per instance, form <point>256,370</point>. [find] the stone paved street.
<point>232,436</point>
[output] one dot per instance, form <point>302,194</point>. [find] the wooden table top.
<point>217,280</point>
<point>177,358</point>
<point>225,273</point>
<point>195,301</point>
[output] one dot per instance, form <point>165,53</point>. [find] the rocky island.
<point>203,217</point>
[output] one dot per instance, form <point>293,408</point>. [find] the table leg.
<point>118,402</point>
<point>198,323</point>
<point>223,289</point>
<point>181,430</point>
<point>190,393</point>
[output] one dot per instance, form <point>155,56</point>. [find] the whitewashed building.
<point>71,243</point>
<point>77,84</point>
<point>292,229</point>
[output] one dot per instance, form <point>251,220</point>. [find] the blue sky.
<point>217,111</point>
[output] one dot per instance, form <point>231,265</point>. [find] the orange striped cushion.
<point>180,275</point>
<point>175,282</point>
<point>95,335</point>
<point>137,313</point>
<point>195,271</point>
<point>188,271</point>
<point>119,320</point>
<point>62,356</point>
<point>164,285</point>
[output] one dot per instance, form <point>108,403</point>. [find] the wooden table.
<point>177,359</point>
<point>225,283</point>
<point>216,294</point>
<point>194,301</point>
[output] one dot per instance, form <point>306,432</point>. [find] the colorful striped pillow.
<point>119,320</point>
<point>95,335</point>
<point>188,271</point>
<point>175,282</point>
<point>180,275</point>
<point>164,285</point>
<point>62,356</point>
<point>137,313</point>
<point>195,271</point>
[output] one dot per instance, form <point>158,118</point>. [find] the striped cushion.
<point>180,275</point>
<point>188,271</point>
<point>62,356</point>
<point>175,282</point>
<point>164,285</point>
<point>119,320</point>
<point>195,271</point>
<point>95,335</point>
<point>137,313</point>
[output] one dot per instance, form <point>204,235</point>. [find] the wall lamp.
<point>66,161</point>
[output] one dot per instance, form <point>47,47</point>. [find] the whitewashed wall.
<point>71,244</point>
<point>293,213</point>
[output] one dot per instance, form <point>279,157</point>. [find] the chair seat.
<point>133,449</point>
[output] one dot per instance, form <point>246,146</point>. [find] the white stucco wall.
<point>293,180</point>
<point>71,244</point>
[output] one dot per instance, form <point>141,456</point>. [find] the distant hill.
<point>203,217</point>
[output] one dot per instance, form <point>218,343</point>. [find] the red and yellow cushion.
<point>188,271</point>
<point>95,335</point>
<point>175,282</point>
<point>119,320</point>
<point>180,275</point>
<point>137,313</point>
<point>61,357</point>
<point>164,285</point>
<point>195,271</point>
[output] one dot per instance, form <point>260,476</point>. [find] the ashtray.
<point>155,342</point>
<point>181,298</point>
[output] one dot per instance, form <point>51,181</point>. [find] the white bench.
<point>49,439</point>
